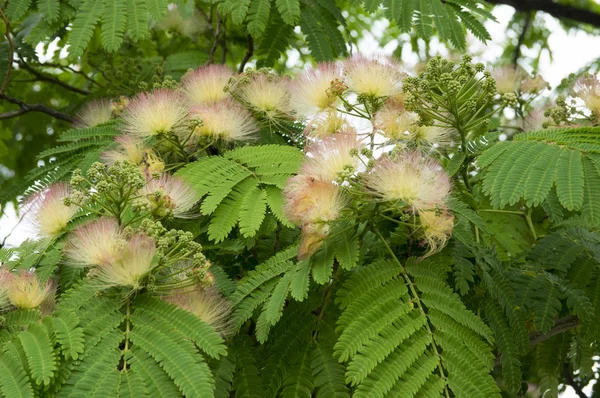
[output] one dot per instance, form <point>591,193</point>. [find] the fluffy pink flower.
<point>375,76</point>
<point>24,289</point>
<point>206,85</point>
<point>588,89</point>
<point>326,123</point>
<point>333,155</point>
<point>94,113</point>
<point>309,200</point>
<point>135,261</point>
<point>133,150</point>
<point>170,195</point>
<point>208,305</point>
<point>97,243</point>
<point>310,90</point>
<point>418,182</point>
<point>265,93</point>
<point>436,229</point>
<point>161,111</point>
<point>225,120</point>
<point>47,211</point>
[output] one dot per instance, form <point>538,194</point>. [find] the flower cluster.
<point>208,305</point>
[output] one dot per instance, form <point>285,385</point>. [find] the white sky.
<point>570,52</point>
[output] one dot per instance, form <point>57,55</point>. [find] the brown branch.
<point>571,381</point>
<point>211,56</point>
<point>248,55</point>
<point>11,53</point>
<point>560,326</point>
<point>67,67</point>
<point>557,10</point>
<point>26,108</point>
<point>51,79</point>
<point>521,40</point>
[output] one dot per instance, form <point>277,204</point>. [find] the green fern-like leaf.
<point>569,179</point>
<point>299,382</point>
<point>68,334</point>
<point>16,9</point>
<point>239,11</point>
<point>252,211</point>
<point>137,19</point>
<point>157,9</point>
<point>258,17</point>
<point>401,11</point>
<point>131,385</point>
<point>299,284</point>
<point>328,373</point>
<point>192,327</point>
<point>13,378</point>
<point>156,381</point>
<point>511,366</point>
<point>289,10</point>
<point>114,21</point>
<point>223,371</point>
<point>38,348</point>
<point>188,371</point>
<point>49,9</point>
<point>83,26</point>
<point>448,26</point>
<point>274,41</point>
<point>246,382</point>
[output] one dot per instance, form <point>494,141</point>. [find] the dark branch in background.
<point>566,371</point>
<point>248,55</point>
<point>70,69</point>
<point>521,40</point>
<point>213,49</point>
<point>557,10</point>
<point>51,79</point>
<point>560,326</point>
<point>26,108</point>
<point>11,52</point>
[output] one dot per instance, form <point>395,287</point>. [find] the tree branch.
<point>521,40</point>
<point>557,10</point>
<point>570,381</point>
<point>11,51</point>
<point>67,67</point>
<point>51,79</point>
<point>26,108</point>
<point>560,326</point>
<point>248,55</point>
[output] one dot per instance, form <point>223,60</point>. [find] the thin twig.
<point>51,79</point>
<point>213,49</point>
<point>521,40</point>
<point>26,108</point>
<point>570,381</point>
<point>248,55</point>
<point>71,69</point>
<point>11,54</point>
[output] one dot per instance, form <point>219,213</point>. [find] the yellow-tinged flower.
<point>396,123</point>
<point>94,113</point>
<point>333,155</point>
<point>310,90</point>
<point>208,305</point>
<point>434,135</point>
<point>128,148</point>
<point>159,112</point>
<point>436,228</point>
<point>373,76</point>
<point>135,261</point>
<point>418,182</point>
<point>169,195</point>
<point>47,211</point>
<point>533,84</point>
<point>267,94</point>
<point>24,289</point>
<point>97,243</point>
<point>225,120</point>
<point>312,238</point>
<point>206,85</point>
<point>326,123</point>
<point>508,78</point>
<point>311,201</point>
<point>588,89</point>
